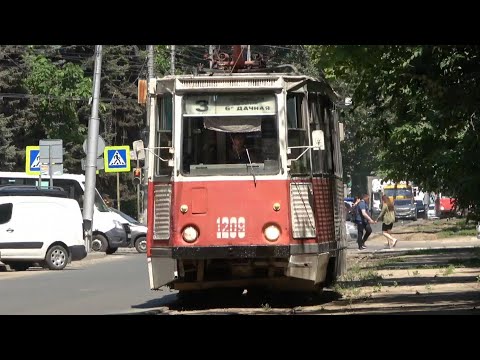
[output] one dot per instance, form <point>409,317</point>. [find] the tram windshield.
<point>229,134</point>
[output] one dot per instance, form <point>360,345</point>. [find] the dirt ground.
<point>428,229</point>
<point>443,281</point>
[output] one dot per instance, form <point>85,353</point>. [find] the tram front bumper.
<point>250,251</point>
<point>307,262</point>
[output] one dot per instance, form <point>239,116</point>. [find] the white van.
<point>41,229</point>
<point>110,230</point>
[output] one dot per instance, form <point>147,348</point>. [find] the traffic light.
<point>137,176</point>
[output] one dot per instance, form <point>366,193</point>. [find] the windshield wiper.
<point>251,165</point>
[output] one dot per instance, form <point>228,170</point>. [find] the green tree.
<point>58,93</point>
<point>424,110</point>
<point>15,112</point>
<point>58,90</point>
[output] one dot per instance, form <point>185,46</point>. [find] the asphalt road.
<point>118,283</point>
<point>111,285</point>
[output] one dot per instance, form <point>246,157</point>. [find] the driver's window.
<point>164,135</point>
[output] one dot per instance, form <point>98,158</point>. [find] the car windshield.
<point>125,216</point>
<point>398,192</point>
<point>403,202</point>
<point>419,202</point>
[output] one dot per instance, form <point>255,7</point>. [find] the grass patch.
<point>389,261</point>
<point>349,285</point>
<point>457,228</point>
<point>413,270</point>
<point>266,307</point>
<point>471,262</point>
<point>456,232</point>
<point>377,288</point>
<point>449,270</point>
<point>426,252</point>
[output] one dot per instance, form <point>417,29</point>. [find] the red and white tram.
<point>244,182</point>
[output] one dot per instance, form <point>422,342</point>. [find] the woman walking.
<point>388,218</point>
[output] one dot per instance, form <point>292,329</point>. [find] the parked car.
<point>138,232</point>
<point>405,209</point>
<point>40,226</point>
<point>109,230</point>
<point>431,212</point>
<point>420,209</point>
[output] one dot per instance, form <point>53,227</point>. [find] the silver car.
<point>139,232</point>
<point>405,209</point>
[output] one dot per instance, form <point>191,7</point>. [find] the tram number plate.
<point>230,227</point>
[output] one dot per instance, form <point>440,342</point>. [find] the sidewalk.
<point>378,244</point>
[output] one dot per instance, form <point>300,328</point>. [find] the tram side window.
<point>321,113</point>
<point>328,139</point>
<point>297,134</point>
<point>336,152</point>
<point>164,134</point>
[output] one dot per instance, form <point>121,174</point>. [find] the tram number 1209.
<point>230,228</point>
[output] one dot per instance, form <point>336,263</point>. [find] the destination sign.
<point>229,105</point>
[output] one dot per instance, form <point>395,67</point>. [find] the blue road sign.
<point>117,158</point>
<point>32,163</point>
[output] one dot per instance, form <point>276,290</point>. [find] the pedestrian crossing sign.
<point>117,158</point>
<point>32,163</point>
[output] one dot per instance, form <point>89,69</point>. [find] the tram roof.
<point>291,81</point>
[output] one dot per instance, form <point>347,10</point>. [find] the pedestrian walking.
<point>387,215</point>
<point>363,221</point>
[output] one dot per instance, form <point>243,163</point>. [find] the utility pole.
<point>91,162</point>
<point>146,140</point>
<point>172,59</point>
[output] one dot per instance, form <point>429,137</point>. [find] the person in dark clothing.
<point>363,221</point>
<point>237,154</point>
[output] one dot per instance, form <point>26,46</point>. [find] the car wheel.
<point>141,244</point>
<point>110,250</point>
<point>99,243</point>
<point>57,257</point>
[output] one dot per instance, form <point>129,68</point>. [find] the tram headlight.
<point>272,233</point>
<point>189,234</point>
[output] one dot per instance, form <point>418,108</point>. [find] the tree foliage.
<point>424,117</point>
<point>45,92</point>
<point>60,88</point>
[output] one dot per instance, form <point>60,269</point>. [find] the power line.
<point>55,97</point>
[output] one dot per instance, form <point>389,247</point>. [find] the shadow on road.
<point>262,301</point>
